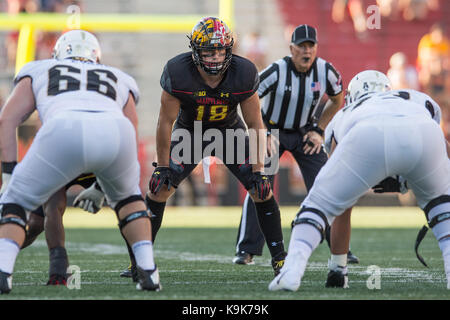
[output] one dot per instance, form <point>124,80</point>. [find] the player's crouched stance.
<point>89,122</point>
<point>405,140</point>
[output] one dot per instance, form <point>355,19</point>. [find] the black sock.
<point>270,223</point>
<point>58,261</point>
<point>130,251</point>
<point>157,213</point>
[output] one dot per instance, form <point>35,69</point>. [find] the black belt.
<point>272,125</point>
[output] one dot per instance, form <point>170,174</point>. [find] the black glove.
<point>161,176</point>
<point>261,184</point>
<point>391,184</point>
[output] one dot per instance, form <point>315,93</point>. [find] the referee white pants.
<point>377,148</point>
<point>72,143</point>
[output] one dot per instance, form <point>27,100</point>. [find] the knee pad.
<point>437,212</point>
<point>131,217</point>
<point>126,201</point>
<point>16,210</point>
<point>311,219</point>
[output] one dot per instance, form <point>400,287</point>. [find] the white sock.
<point>444,245</point>
<point>9,249</point>
<point>304,239</point>
<point>307,234</point>
<point>143,253</point>
<point>337,260</point>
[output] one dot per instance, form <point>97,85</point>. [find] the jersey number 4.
<point>216,113</point>
<point>63,78</point>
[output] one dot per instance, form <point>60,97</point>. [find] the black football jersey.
<point>215,107</point>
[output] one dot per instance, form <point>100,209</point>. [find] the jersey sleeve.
<point>30,70</point>
<point>166,81</point>
<point>434,109</point>
<point>252,82</point>
<point>267,79</point>
<point>330,134</point>
<point>133,88</point>
<point>334,80</point>
<point>425,100</point>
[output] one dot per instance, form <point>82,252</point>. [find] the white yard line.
<point>387,274</point>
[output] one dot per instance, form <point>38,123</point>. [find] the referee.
<point>293,86</point>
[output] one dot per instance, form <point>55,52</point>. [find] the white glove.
<point>5,180</point>
<point>91,199</point>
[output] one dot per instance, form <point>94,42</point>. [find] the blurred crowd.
<point>45,40</point>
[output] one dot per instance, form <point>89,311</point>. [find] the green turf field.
<point>195,247</point>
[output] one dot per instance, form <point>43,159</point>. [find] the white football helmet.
<point>77,44</point>
<point>369,81</point>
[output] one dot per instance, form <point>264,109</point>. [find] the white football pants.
<point>72,143</point>
<point>377,148</point>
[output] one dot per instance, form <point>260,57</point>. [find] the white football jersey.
<point>405,102</point>
<point>62,85</point>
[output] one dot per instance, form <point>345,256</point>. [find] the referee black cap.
<point>304,33</point>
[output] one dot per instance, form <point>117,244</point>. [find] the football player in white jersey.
<point>89,123</point>
<point>377,135</point>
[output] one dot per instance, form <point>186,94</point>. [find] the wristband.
<point>317,129</point>
<point>8,167</point>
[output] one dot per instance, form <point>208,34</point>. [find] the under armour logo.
<point>287,88</point>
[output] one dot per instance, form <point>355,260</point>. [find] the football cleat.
<point>351,258</point>
<point>5,282</point>
<point>243,258</point>
<point>148,279</point>
<point>130,272</point>
<point>278,262</point>
<point>126,273</point>
<point>337,278</point>
<point>290,275</point>
<point>285,280</point>
<point>57,280</point>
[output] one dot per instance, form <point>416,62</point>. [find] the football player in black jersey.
<point>54,209</point>
<point>203,88</point>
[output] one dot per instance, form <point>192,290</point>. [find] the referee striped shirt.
<point>293,97</point>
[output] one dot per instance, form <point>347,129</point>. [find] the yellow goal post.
<point>27,24</point>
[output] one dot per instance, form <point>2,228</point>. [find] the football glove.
<point>161,176</point>
<point>91,199</point>
<point>391,184</point>
<point>260,183</point>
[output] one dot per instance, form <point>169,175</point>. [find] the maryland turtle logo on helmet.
<point>208,34</point>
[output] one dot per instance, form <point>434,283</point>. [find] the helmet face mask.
<point>365,82</point>
<point>211,34</point>
<point>77,44</point>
